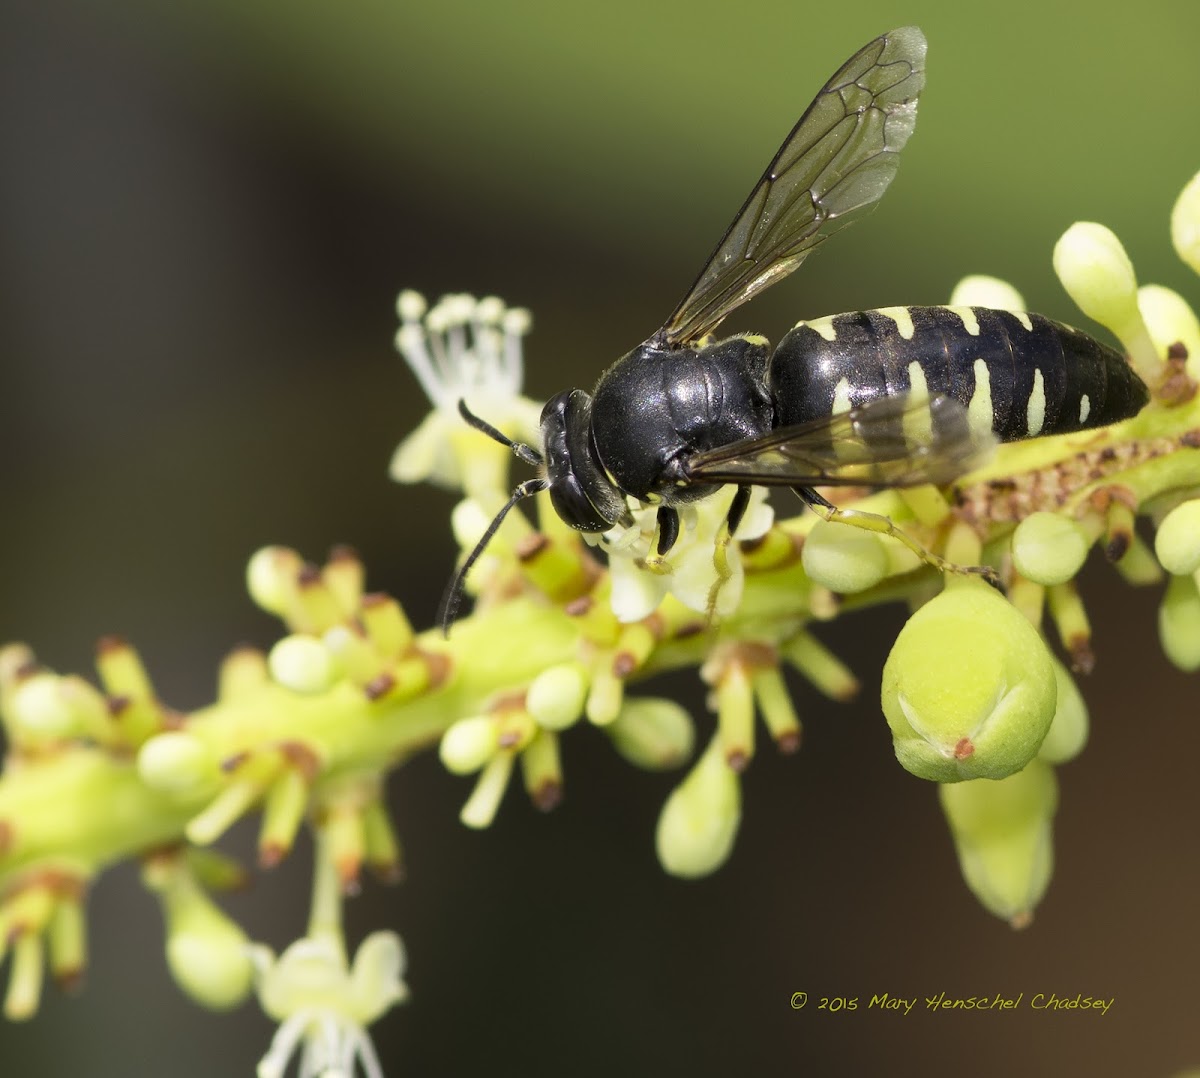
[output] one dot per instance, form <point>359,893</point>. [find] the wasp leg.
<point>666,533</point>
<point>737,510</point>
<point>873,522</point>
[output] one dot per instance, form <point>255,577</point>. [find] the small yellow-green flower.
<point>689,571</point>
<point>325,1005</point>
<point>470,350</point>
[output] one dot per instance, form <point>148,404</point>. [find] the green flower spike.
<point>206,950</point>
<point>969,688</point>
<point>1004,840</point>
<point>700,819</point>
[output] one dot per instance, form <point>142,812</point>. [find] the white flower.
<point>310,991</point>
<point>464,349</point>
<point>691,569</point>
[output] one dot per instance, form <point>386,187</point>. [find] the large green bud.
<point>969,689</point>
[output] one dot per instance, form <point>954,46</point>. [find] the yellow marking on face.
<point>823,326</point>
<point>1085,408</point>
<point>902,316</point>
<point>841,397</point>
<point>979,411</point>
<point>1024,319</point>
<point>969,321</point>
<point>918,423</point>
<point>1035,411</point>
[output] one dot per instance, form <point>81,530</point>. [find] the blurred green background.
<point>206,212</point>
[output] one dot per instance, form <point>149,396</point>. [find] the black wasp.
<point>898,396</point>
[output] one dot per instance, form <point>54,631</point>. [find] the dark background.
<point>206,210</point>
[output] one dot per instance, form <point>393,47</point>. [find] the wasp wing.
<point>898,441</point>
<point>839,159</point>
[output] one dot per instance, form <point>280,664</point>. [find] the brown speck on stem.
<point>1021,920</point>
<point>69,979</point>
<point>576,608</point>
<point>301,758</point>
<point>118,704</point>
<point>789,742</point>
<point>351,884</point>
<point>270,854</point>
<point>964,748</point>
<point>232,763</point>
<point>389,872</point>
<point>738,760</point>
<point>547,796</point>
<point>308,575</point>
<point>438,665</point>
<point>110,643</point>
<point>623,664</point>
<point>531,546</point>
<point>379,686</point>
<point>1083,659</point>
<point>1118,545</point>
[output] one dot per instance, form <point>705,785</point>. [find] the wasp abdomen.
<point>1019,374</point>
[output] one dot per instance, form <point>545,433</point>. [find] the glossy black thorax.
<point>657,406</point>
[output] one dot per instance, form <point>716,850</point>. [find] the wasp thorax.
<point>658,406</point>
<point>580,491</point>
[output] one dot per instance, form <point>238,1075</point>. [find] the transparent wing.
<point>888,442</point>
<point>839,159</point>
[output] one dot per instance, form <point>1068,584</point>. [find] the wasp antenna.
<point>526,453</point>
<point>452,597</point>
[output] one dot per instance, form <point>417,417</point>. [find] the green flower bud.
<point>969,688</point>
<point>302,663</point>
<point>468,744</point>
<point>979,290</point>
<point>653,733</point>
<point>271,578</point>
<point>1185,223</point>
<point>1171,320</point>
<point>1069,730</point>
<point>1003,838</point>
<point>207,952</point>
<point>1177,542</point>
<point>1097,274</point>
<point>843,559</point>
<point>175,762</point>
<point>38,708</point>
<point>1048,548</point>
<point>556,696</point>
<point>700,819</point>
<point>1179,623</point>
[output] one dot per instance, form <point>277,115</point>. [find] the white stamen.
<point>462,347</point>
